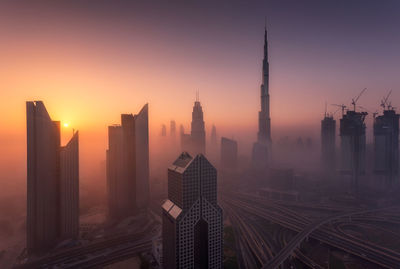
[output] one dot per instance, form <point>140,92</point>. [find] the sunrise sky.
<point>93,61</point>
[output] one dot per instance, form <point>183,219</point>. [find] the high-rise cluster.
<point>128,165</point>
<point>192,220</point>
<point>353,145</point>
<point>52,182</point>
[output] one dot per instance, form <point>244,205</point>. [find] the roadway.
<point>318,230</point>
<point>101,252</point>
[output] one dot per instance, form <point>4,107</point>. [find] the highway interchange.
<point>258,250</point>
<point>99,253</point>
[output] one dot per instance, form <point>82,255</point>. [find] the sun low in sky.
<point>66,124</point>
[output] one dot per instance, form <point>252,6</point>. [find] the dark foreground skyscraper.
<point>69,186</point>
<point>353,145</point>
<point>192,220</point>
<point>386,146</point>
<point>52,182</point>
<point>263,144</point>
<point>328,137</point>
<point>142,157</point>
<point>128,165</point>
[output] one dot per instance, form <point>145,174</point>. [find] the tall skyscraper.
<point>328,146</point>
<point>192,220</point>
<point>69,186</point>
<point>52,181</point>
<point>115,173</point>
<point>353,145</point>
<point>172,129</point>
<point>128,165</point>
<point>163,130</point>
<point>386,146</point>
<point>198,133</point>
<point>264,121</point>
<point>263,144</point>
<point>229,154</point>
<point>142,157</point>
<point>214,142</point>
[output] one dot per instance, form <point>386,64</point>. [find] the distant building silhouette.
<point>328,143</point>
<point>198,133</point>
<point>163,130</point>
<point>52,182</point>
<point>263,144</point>
<point>192,220</point>
<point>128,165</point>
<point>299,143</point>
<point>214,140</point>
<point>386,146</point>
<point>353,145</point>
<point>172,129</point>
<point>229,154</point>
<point>186,142</point>
<point>195,142</point>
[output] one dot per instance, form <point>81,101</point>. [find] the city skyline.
<point>311,53</point>
<point>287,153</point>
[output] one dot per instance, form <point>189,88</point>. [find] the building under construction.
<point>386,146</point>
<point>353,145</point>
<point>328,139</point>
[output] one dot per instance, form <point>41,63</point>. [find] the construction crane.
<point>355,99</point>
<point>369,111</point>
<point>342,106</point>
<point>384,102</point>
<point>333,114</point>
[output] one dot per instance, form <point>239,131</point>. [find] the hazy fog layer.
<point>91,63</point>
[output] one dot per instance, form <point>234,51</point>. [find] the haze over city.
<point>91,61</point>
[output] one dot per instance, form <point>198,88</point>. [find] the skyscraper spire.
<point>265,43</point>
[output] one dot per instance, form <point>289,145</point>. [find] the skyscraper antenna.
<point>197,95</point>
<point>265,22</point>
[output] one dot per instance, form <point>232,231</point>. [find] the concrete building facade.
<point>229,154</point>
<point>142,157</point>
<point>127,160</point>
<point>328,144</point>
<point>69,156</point>
<point>353,145</point>
<point>192,220</point>
<point>386,146</point>
<point>52,182</point>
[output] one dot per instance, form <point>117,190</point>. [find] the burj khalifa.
<point>262,147</point>
<point>264,120</point>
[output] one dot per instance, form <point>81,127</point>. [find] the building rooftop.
<point>172,209</point>
<point>181,163</point>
